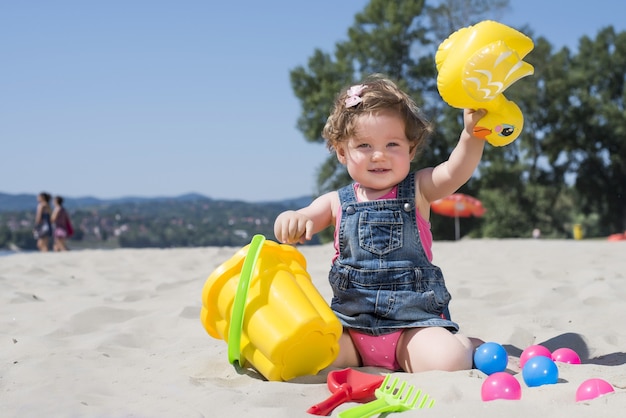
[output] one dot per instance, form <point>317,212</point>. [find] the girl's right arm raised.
<point>292,227</point>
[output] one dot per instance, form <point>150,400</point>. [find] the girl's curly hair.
<point>377,94</point>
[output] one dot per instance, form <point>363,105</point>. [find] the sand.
<point>116,333</point>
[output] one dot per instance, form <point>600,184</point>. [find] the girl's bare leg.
<point>434,348</point>
<point>60,244</point>
<point>348,356</point>
<point>42,244</point>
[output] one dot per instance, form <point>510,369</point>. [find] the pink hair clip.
<point>354,95</point>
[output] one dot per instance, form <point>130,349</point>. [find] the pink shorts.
<point>60,232</point>
<point>377,351</point>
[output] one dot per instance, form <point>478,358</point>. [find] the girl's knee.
<point>451,358</point>
<point>460,357</point>
<point>434,349</point>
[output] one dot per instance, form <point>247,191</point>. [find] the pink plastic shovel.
<point>347,385</point>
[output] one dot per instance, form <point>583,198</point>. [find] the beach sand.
<point>116,333</point>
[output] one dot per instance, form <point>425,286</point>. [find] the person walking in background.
<point>62,225</point>
<point>43,228</point>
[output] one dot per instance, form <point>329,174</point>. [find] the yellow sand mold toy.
<point>263,304</point>
<point>476,65</point>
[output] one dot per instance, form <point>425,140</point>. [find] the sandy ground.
<point>116,333</point>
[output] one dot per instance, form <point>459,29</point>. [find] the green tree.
<point>399,39</point>
<point>580,131</point>
<point>597,145</point>
<point>569,164</point>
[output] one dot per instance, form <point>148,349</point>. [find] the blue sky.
<point>160,98</point>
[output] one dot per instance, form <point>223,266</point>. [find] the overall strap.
<point>347,195</point>
<point>406,188</point>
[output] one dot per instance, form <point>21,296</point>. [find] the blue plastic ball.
<point>490,358</point>
<point>540,371</point>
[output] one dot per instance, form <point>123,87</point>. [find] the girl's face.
<point>379,155</point>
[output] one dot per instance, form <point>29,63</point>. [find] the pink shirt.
<point>423,226</point>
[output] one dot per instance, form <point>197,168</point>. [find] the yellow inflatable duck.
<point>475,66</point>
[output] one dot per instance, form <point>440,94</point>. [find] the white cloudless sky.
<point>160,98</point>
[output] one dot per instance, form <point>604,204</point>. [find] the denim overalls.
<point>382,280</point>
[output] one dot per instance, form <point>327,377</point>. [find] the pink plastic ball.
<point>566,355</point>
<point>501,385</point>
<point>592,388</point>
<point>533,351</point>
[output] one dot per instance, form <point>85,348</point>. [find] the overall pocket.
<point>380,232</point>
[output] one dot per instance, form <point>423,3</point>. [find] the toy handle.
<point>236,317</point>
<point>333,401</point>
<point>366,410</point>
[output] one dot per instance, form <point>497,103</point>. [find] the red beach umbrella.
<point>458,205</point>
<point>617,237</point>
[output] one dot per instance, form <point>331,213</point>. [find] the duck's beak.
<point>481,132</point>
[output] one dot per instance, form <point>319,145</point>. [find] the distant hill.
<point>189,220</point>
<point>24,202</point>
<point>17,202</point>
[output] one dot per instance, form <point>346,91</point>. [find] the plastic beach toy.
<point>533,351</point>
<point>393,395</point>
<point>501,385</point>
<point>347,385</point>
<point>566,355</point>
<point>263,304</point>
<point>593,388</point>
<point>476,65</point>
<point>539,371</point>
<point>239,305</point>
<point>491,358</point>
